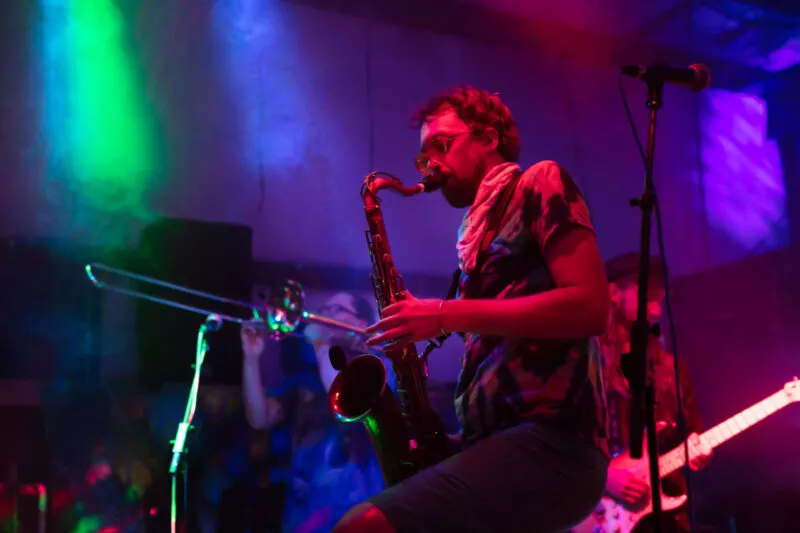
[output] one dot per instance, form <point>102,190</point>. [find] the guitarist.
<point>624,485</point>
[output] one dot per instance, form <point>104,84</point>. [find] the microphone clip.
<point>213,323</point>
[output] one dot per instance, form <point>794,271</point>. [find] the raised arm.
<point>326,371</point>
<point>262,411</point>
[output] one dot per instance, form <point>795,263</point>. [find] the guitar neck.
<point>676,458</point>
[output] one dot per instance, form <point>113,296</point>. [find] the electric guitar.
<point>612,516</point>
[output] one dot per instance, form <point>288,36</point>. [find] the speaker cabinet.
<point>49,312</point>
<point>206,256</point>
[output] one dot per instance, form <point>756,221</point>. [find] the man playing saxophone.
<point>531,295</point>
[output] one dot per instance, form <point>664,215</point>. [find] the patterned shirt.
<point>506,380</point>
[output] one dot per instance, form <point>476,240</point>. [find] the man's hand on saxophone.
<point>409,320</point>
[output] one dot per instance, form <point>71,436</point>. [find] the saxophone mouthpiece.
<point>434,174</point>
<point>432,182</point>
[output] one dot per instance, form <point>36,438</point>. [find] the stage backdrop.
<point>269,114</point>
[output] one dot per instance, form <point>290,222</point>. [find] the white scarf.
<point>473,227</point>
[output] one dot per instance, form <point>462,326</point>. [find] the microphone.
<point>338,358</point>
<point>695,77</point>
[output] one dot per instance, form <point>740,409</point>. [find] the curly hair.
<point>480,110</point>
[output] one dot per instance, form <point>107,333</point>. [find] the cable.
<point>569,104</point>
<point>668,307</point>
<point>369,89</point>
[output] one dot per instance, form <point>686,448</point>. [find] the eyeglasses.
<point>438,145</point>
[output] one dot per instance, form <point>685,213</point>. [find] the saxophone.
<point>406,434</point>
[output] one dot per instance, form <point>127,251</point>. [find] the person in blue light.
<point>332,465</point>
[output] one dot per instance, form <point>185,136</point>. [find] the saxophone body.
<point>406,434</point>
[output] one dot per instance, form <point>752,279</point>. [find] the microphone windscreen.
<point>702,77</point>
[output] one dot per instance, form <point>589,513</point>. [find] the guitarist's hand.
<point>699,452</point>
<point>629,486</point>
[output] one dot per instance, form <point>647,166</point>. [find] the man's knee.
<point>364,518</point>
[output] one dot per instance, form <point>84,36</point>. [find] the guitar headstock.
<point>792,390</point>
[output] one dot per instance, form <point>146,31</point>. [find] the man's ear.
<point>491,138</point>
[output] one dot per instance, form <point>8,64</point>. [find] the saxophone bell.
<point>360,393</point>
<point>366,380</point>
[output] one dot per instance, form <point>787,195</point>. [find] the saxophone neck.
<point>377,181</point>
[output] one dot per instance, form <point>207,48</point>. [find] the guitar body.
<point>612,516</point>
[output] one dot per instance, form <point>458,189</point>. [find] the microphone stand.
<point>638,365</point>
<point>178,463</point>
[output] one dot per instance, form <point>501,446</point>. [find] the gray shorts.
<point>526,479</point>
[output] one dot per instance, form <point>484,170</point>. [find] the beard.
<point>458,188</point>
<point>458,192</point>
<point>457,197</point>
